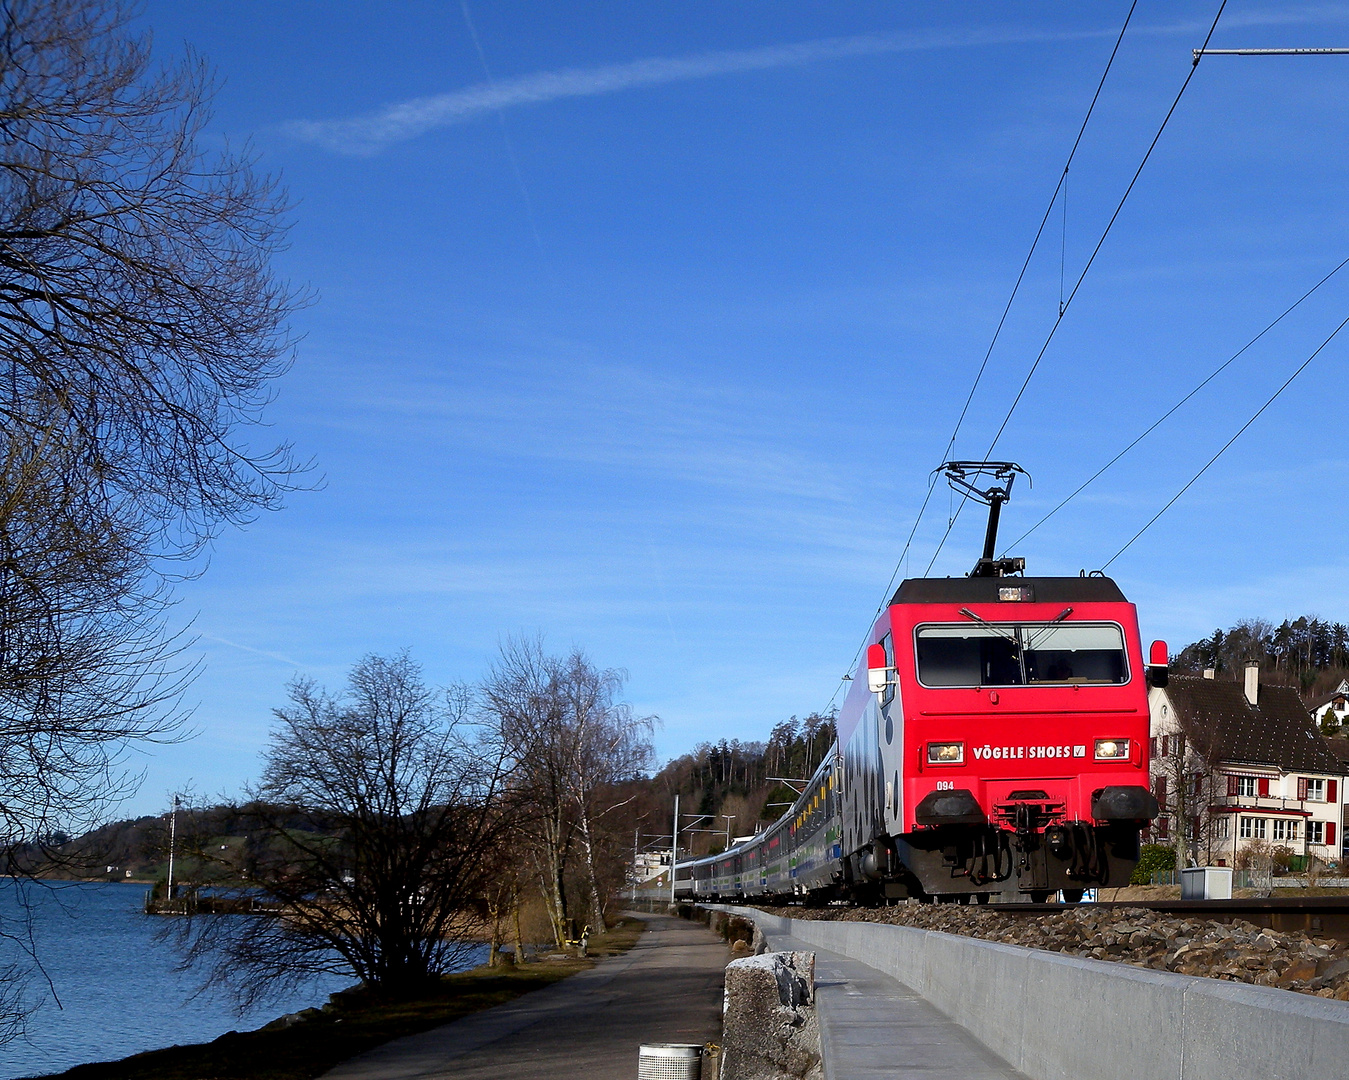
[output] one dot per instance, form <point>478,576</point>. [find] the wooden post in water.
<point>173,835</point>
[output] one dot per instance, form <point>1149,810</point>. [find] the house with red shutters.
<point>1237,764</point>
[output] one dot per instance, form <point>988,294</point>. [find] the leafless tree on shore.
<point>369,838</point>
<point>141,331</point>
<point>571,741</point>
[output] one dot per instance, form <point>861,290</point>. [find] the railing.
<point>1267,802</point>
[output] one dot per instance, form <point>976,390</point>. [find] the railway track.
<point>1325,916</point>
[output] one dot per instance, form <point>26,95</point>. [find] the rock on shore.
<point>770,1031</point>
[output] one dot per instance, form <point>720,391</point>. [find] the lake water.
<point>118,991</point>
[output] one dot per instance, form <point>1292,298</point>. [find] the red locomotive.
<point>994,741</point>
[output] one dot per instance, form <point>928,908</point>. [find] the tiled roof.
<point>1339,746</point>
<point>1222,725</point>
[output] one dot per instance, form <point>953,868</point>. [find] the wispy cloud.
<point>373,131</point>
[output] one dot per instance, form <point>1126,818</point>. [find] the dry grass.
<point>310,1048</point>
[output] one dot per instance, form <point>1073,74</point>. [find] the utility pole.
<point>674,849</point>
<point>635,834</point>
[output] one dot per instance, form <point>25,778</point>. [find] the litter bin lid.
<point>672,1050</point>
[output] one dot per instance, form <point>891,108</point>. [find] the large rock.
<point>769,1029</point>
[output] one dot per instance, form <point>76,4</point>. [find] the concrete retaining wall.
<point>1054,1016</point>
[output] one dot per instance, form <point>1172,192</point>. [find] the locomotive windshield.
<point>991,654</point>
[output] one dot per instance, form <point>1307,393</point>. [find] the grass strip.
<point>312,1046</point>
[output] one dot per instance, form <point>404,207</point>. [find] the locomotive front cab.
<point>1022,765</point>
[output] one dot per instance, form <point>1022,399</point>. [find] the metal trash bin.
<point>670,1061</point>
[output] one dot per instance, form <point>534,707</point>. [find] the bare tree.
<point>369,837</point>
<point>522,697</point>
<point>571,741</point>
<point>1185,779</point>
<point>140,332</point>
<point>609,744</point>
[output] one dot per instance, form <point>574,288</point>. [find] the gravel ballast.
<point>1237,951</point>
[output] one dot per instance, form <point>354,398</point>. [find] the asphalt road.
<point>666,988</point>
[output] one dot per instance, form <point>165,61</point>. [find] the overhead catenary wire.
<point>1067,303</point>
<point>1167,415</point>
<point>1104,233</point>
<point>1223,449</point>
<point>997,331</point>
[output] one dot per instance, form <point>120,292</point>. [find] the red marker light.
<point>878,669</point>
<point>1157,655</point>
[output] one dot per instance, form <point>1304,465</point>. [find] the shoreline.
<point>304,1045</point>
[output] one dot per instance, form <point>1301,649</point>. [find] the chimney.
<point>1253,682</point>
<point>1209,672</point>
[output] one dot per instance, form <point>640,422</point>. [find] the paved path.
<point>875,1028</point>
<point>666,988</point>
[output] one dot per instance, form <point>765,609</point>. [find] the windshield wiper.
<point>1002,632</point>
<point>1030,643</point>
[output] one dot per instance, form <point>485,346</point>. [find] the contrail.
<point>372,132</point>
<point>257,652</point>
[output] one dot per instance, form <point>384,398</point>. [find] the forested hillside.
<point>729,782</point>
<point>1308,652</point>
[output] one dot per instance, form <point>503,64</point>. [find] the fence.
<point>1260,880</point>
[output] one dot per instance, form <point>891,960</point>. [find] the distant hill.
<point>1308,652</point>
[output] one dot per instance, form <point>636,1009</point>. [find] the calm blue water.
<point>116,983</point>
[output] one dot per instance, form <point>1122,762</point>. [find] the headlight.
<point>946,753</point>
<point>1112,749</point>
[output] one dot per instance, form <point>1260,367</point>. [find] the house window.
<point>1220,828</point>
<point>1316,790</point>
<point>1163,828</point>
<point>1292,830</point>
<point>1245,831</point>
<point>1316,832</point>
<point>1246,787</point>
<point>1281,829</point>
<point>1253,828</point>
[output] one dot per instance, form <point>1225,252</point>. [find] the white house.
<point>1335,703</point>
<point>1252,765</point>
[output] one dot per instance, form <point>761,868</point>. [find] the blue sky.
<point>649,340</point>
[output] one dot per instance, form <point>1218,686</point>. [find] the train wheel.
<point>1073,896</point>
